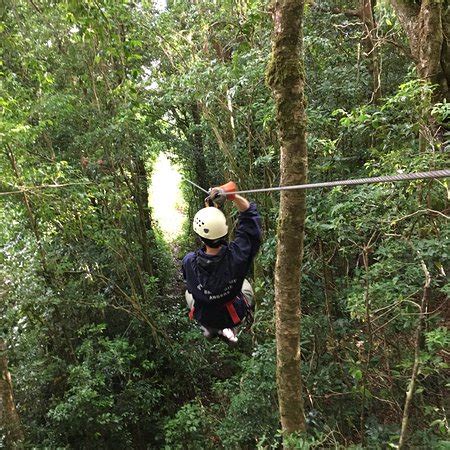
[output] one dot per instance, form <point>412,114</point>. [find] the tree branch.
<point>415,370</point>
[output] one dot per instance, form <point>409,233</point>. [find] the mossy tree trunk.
<point>427,25</point>
<point>286,78</point>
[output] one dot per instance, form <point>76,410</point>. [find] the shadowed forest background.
<point>94,333</point>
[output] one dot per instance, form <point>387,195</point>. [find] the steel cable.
<point>193,184</point>
<point>382,179</point>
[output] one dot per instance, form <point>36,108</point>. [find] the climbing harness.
<point>383,179</point>
<point>232,311</point>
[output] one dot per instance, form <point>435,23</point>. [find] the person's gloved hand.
<point>216,197</point>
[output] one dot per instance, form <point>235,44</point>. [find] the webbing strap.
<point>232,312</point>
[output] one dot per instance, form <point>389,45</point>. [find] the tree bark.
<point>145,223</point>
<point>371,49</point>
<point>9,418</point>
<point>286,78</point>
<point>427,26</point>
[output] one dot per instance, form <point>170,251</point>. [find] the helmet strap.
<point>213,243</point>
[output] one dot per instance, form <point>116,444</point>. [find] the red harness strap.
<point>232,312</point>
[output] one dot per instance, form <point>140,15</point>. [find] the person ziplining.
<point>218,294</point>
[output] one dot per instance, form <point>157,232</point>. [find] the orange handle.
<point>229,188</point>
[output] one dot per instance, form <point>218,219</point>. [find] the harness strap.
<point>230,308</point>
<point>232,312</point>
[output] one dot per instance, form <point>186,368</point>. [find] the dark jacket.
<point>215,280</point>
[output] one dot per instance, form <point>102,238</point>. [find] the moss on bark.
<point>285,75</point>
<point>427,26</point>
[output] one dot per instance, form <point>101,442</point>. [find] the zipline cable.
<point>193,184</point>
<point>444,173</point>
<point>383,179</point>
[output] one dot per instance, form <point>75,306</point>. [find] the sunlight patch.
<point>165,197</point>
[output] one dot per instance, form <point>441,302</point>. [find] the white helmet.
<point>210,223</point>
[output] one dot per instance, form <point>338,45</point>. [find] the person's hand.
<point>219,195</point>
<point>216,197</point>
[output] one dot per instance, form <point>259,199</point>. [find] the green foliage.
<point>252,411</point>
<point>96,406</point>
<point>189,428</point>
<point>101,352</point>
<point>437,339</point>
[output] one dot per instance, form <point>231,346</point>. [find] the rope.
<point>383,179</point>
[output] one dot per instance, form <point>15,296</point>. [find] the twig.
<point>432,211</point>
<point>23,189</point>
<point>386,323</point>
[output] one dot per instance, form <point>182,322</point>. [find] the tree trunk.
<point>286,78</point>
<point>371,49</point>
<point>9,418</point>
<point>427,26</point>
<point>145,223</point>
<point>190,124</point>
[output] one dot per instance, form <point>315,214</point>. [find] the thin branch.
<point>420,211</point>
<point>23,189</point>
<point>405,50</point>
<point>386,323</point>
<point>415,369</point>
<point>36,7</point>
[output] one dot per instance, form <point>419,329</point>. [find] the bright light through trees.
<point>165,197</point>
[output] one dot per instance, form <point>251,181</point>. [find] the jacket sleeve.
<point>184,263</point>
<point>183,270</point>
<point>248,234</point>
